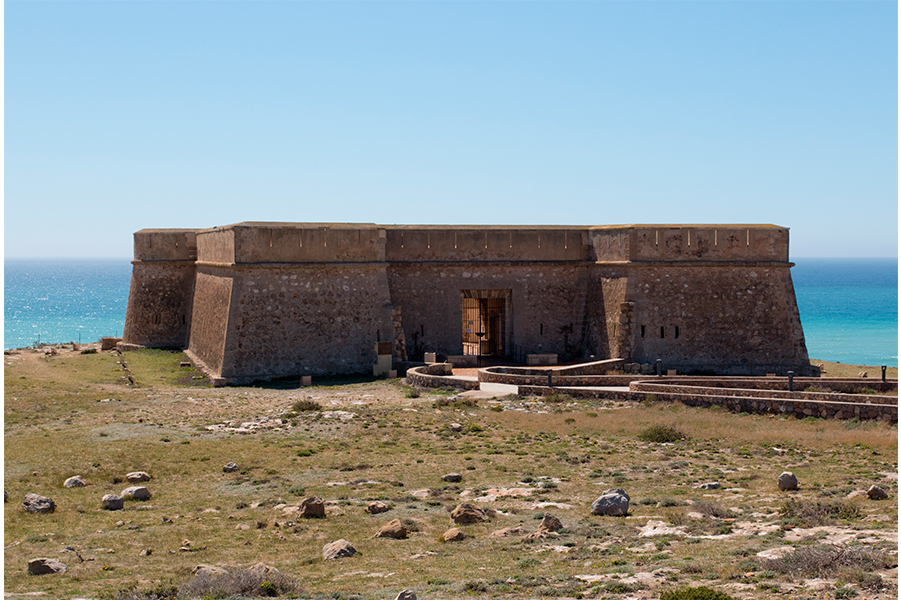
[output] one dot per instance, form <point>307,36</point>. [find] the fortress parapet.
<point>162,283</point>
<point>259,300</point>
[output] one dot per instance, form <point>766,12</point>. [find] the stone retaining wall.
<point>420,377</point>
<point>669,388</point>
<point>797,408</point>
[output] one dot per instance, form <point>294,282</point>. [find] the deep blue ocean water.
<point>849,307</point>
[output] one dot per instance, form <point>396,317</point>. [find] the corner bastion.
<point>255,301</point>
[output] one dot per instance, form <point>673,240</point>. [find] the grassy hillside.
<point>353,443</point>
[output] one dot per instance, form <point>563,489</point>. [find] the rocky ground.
<point>392,464</point>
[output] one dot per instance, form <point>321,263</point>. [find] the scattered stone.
<point>534,537</point>
<point>45,566</point>
<point>466,514</point>
<point>613,502</point>
<point>787,481</point>
<point>377,507</point>
<point>136,492</point>
<point>137,476</point>
<point>35,503</point>
<point>862,374</point>
<point>406,595</point>
<point>338,549</point>
<point>507,532</point>
<point>230,467</point>
<point>394,529</point>
<point>452,478</point>
<point>112,502</point>
<point>312,508</point>
<point>456,427</point>
<point>263,569</point>
<point>5,496</point>
<point>210,571</point>
<point>876,493</point>
<point>120,523</point>
<point>713,485</point>
<point>550,524</point>
<point>242,526</point>
<point>146,551</point>
<point>74,482</point>
<point>454,535</point>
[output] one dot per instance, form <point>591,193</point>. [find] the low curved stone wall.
<point>807,405</point>
<point>670,388</point>
<point>420,376</point>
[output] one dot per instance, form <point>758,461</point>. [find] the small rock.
<point>338,549</point>
<point>263,569</point>
<point>312,508</point>
<point>876,493</point>
<point>466,514</point>
<point>406,595</point>
<point>534,537</point>
<point>713,485</point>
<point>112,502</point>
<point>452,478</point>
<point>137,476</point>
<point>120,523</point>
<point>454,535</point>
<point>377,507</point>
<point>613,502</point>
<point>74,482</point>
<point>45,566</point>
<point>550,524</point>
<point>394,529</point>
<point>242,526</point>
<point>136,492</point>
<point>35,503</point>
<point>5,496</point>
<point>230,467</point>
<point>147,552</point>
<point>507,532</point>
<point>787,481</point>
<point>210,571</point>
<point>456,427</point>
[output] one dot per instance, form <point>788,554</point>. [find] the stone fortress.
<point>254,301</point>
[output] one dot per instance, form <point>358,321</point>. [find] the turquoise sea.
<point>849,307</point>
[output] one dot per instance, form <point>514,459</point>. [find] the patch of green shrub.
<point>695,593</point>
<point>661,434</point>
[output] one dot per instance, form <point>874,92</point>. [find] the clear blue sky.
<point>123,116</point>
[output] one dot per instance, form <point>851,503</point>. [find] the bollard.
<point>659,367</point>
<point>549,376</point>
<point>883,373</point>
<point>791,381</point>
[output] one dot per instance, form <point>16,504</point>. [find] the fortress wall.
<point>216,246</point>
<point>159,304</point>
<point>165,244</point>
<point>305,320</point>
<point>311,243</point>
<point>609,244</point>
<point>736,319</point>
<point>545,299</point>
<point>209,326</point>
<point>476,244</point>
<point>162,283</point>
<point>716,243</point>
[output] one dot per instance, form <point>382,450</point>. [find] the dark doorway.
<point>485,322</point>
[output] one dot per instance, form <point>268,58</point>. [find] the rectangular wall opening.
<point>485,322</point>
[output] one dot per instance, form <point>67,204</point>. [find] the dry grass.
<point>395,449</point>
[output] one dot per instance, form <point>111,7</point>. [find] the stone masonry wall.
<point>546,304</point>
<point>209,327</point>
<point>306,320</point>
<point>731,319</point>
